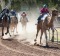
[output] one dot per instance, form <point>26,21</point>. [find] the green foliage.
<point>6,1</point>
<point>17,4</point>
<point>0,8</point>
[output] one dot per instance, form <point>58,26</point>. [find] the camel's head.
<point>54,13</point>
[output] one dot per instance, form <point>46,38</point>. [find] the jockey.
<point>23,14</point>
<point>4,11</point>
<point>44,13</point>
<point>7,14</point>
<point>13,12</point>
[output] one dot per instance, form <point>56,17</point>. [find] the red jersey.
<point>44,10</point>
<point>23,14</point>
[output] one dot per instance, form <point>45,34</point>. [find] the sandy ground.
<point>14,48</point>
<point>22,44</point>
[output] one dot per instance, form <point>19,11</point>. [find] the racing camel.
<point>46,25</point>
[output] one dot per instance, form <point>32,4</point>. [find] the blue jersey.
<point>13,13</point>
<point>3,12</point>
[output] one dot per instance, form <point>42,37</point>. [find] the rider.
<point>6,12</point>
<point>23,14</point>
<point>13,12</point>
<point>44,13</point>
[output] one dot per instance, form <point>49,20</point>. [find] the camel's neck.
<point>52,19</point>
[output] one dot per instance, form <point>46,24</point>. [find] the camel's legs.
<point>41,35</point>
<point>36,35</point>
<point>42,30</point>
<point>46,37</point>
<point>3,31</point>
<point>16,29</point>
<point>52,35</point>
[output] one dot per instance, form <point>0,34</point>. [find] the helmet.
<point>44,6</point>
<point>23,12</point>
<point>6,7</point>
<point>12,10</point>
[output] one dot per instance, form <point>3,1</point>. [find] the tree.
<point>18,4</point>
<point>2,4</point>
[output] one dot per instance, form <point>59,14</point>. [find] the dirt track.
<point>14,48</point>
